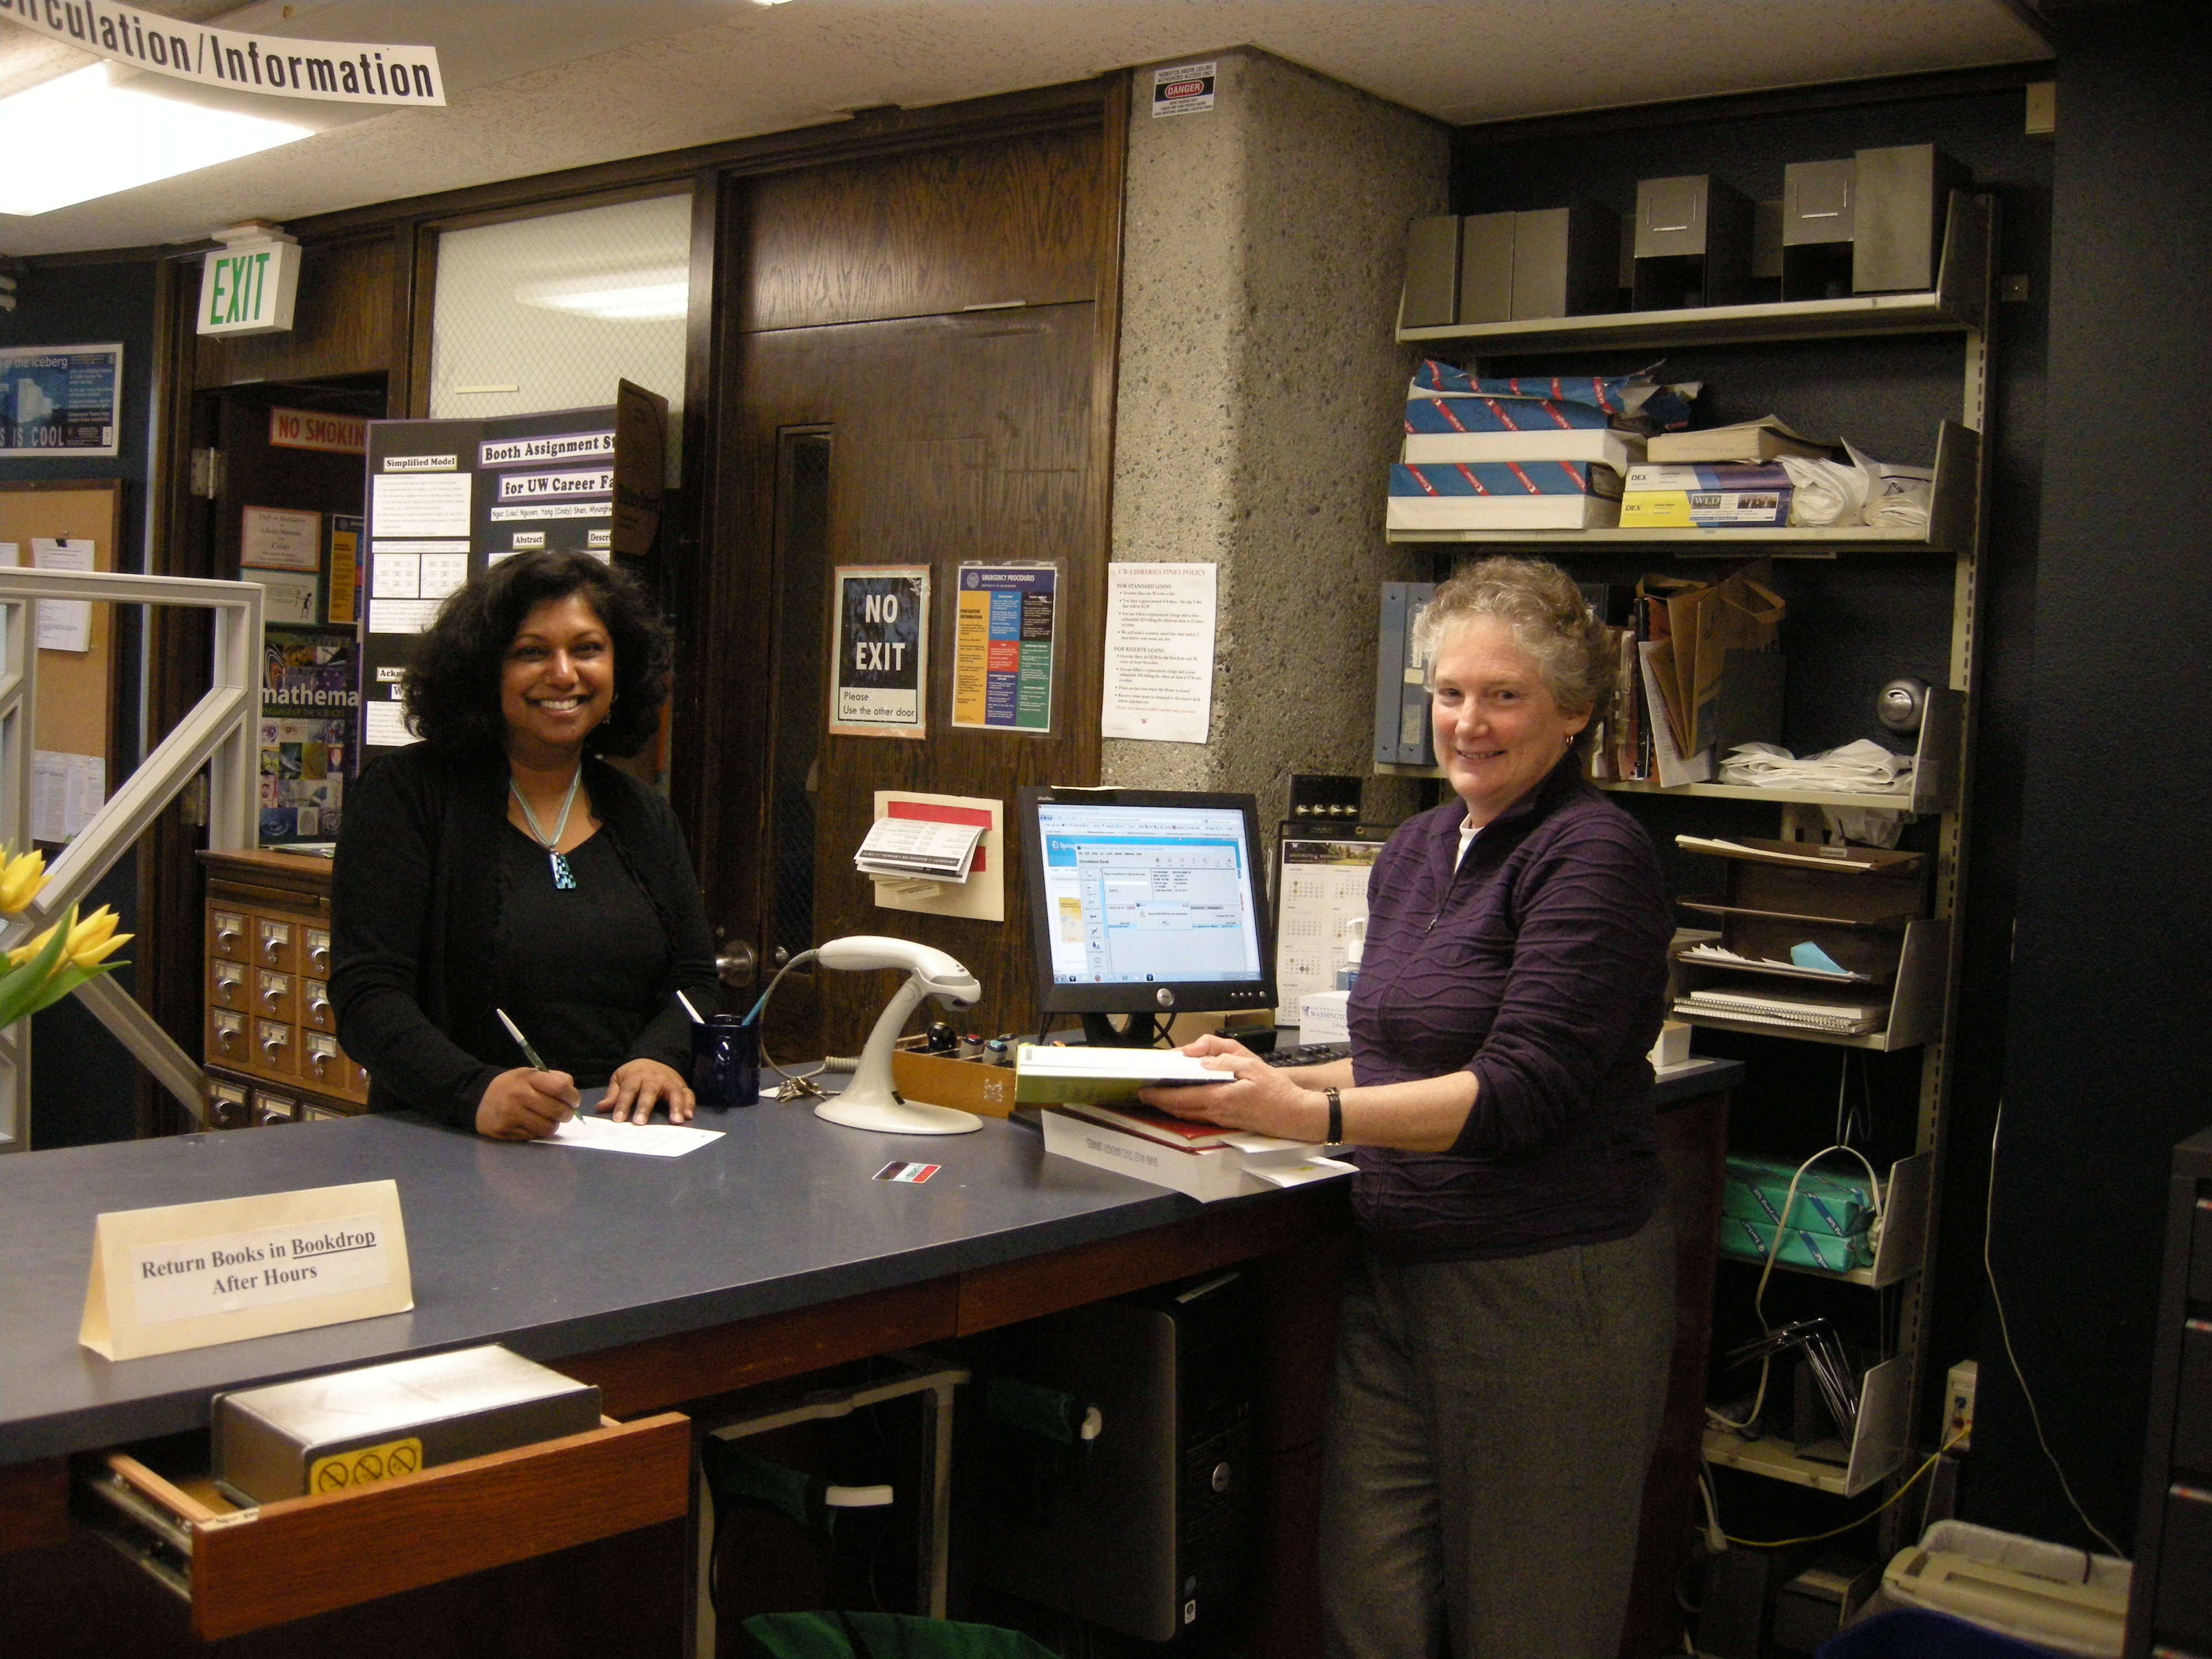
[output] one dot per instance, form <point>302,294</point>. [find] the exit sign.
<point>248,288</point>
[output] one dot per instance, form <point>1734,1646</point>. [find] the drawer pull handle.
<point>270,1045</point>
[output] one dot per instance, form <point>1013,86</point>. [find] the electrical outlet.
<point>1959,1405</point>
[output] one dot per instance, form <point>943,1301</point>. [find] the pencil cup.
<point>726,1061</point>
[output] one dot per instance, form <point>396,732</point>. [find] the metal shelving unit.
<point>1961,304</point>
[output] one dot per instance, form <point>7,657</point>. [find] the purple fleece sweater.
<point>1539,965</point>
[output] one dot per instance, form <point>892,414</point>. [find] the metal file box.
<point>1694,235</point>
<point>1564,262</point>
<point>1485,267</point>
<point>1818,198</point>
<point>1432,297</point>
<point>321,1433</point>
<point>1897,236</point>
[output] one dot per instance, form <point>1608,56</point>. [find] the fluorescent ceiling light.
<point>642,295</point>
<point>76,138</point>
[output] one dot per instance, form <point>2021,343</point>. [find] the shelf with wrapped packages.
<point>1950,525</point>
<point>1956,304</point>
<point>1901,1248</point>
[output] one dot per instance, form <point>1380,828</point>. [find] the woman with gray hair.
<point>1502,1352</point>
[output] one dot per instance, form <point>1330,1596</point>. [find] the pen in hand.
<point>528,1053</point>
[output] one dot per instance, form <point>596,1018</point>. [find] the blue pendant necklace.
<point>564,879</point>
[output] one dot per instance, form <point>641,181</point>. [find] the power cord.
<point>1905,1486</point>
<point>2004,1330</point>
<point>1773,1253</point>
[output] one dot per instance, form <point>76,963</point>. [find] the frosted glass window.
<point>550,312</point>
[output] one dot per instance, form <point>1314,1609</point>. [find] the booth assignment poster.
<point>59,400</point>
<point>878,684</point>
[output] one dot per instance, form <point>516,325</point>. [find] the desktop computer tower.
<point>1116,1476</point>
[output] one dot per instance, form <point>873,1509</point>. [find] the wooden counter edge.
<point>303,1556</point>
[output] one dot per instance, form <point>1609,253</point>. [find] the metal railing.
<point>218,733</point>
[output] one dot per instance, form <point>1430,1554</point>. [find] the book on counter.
<point>1763,440</point>
<point>1248,1164</point>
<point>1046,1075</point>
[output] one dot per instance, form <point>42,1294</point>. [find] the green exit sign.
<point>248,288</point>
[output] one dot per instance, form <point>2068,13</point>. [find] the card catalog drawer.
<point>315,1011</point>
<point>276,943</point>
<point>248,1570</point>
<point>315,952</point>
<point>276,996</point>
<point>227,935</point>
<point>275,1048</point>
<point>227,1040</point>
<point>229,983</point>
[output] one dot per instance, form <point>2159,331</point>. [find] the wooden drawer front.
<point>270,1107</point>
<point>276,943</point>
<point>324,1064</point>
<point>315,1006</point>
<point>304,1555</point>
<point>276,996</point>
<point>315,951</point>
<point>229,1041</point>
<point>227,983</point>
<point>228,934</point>
<point>230,1105</point>
<point>276,1048</point>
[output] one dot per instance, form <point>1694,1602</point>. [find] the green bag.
<point>881,1636</point>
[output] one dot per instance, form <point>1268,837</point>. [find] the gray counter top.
<point>553,1250</point>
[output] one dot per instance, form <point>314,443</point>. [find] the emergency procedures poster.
<point>1002,646</point>
<point>59,400</point>
<point>877,688</point>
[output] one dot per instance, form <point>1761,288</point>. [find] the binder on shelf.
<point>1389,671</point>
<point>1431,296</point>
<point>1416,742</point>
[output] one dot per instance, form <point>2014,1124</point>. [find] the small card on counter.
<point>913,1173</point>
<point>192,1275</point>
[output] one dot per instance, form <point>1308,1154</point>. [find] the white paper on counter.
<point>63,624</point>
<point>419,504</point>
<point>1159,652</point>
<point>604,1134</point>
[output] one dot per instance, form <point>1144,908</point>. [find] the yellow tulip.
<point>91,942</point>
<point>21,878</point>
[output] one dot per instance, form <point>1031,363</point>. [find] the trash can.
<point>1912,1633</point>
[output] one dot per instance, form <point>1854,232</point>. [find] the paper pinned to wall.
<point>63,624</point>
<point>66,790</point>
<point>419,504</point>
<point>1159,652</point>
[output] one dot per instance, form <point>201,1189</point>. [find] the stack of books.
<point>1093,1116</point>
<point>1655,497</point>
<point>1512,454</point>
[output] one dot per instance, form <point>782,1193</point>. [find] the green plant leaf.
<point>66,982</point>
<point>32,975</point>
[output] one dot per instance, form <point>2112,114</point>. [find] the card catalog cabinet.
<point>270,1046</point>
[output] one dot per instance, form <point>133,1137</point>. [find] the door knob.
<point>737,965</point>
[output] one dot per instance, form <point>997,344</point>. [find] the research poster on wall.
<point>59,400</point>
<point>448,498</point>
<point>879,685</point>
<point>1002,646</point>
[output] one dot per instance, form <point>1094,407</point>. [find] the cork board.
<point>76,687</point>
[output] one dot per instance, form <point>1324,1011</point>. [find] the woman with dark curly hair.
<point>500,864</point>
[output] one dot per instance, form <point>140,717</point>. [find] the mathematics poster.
<point>879,681</point>
<point>59,400</point>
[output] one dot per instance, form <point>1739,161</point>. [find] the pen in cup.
<point>688,1009</point>
<point>523,1043</point>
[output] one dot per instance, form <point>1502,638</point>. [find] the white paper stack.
<point>917,849</point>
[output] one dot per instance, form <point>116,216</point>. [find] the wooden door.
<point>919,372</point>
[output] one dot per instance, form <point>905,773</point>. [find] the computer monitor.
<point>1146,902</point>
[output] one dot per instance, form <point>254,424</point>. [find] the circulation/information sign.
<point>1002,646</point>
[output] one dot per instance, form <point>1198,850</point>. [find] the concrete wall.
<point>1264,245</point>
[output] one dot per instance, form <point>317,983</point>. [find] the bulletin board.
<point>77,689</point>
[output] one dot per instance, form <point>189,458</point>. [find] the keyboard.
<point>1309,1053</point>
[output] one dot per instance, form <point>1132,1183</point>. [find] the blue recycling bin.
<point>1913,1633</point>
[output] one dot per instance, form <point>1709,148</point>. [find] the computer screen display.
<point>1146,901</point>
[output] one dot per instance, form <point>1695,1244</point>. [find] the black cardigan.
<point>415,901</point>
